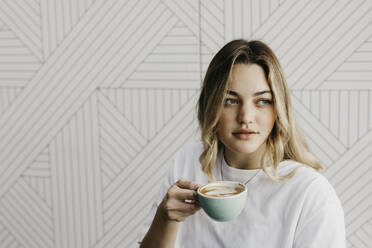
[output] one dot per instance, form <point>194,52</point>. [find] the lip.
<point>244,134</point>
<point>245,131</point>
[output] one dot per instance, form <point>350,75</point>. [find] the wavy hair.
<point>285,142</point>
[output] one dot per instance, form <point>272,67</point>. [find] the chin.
<point>243,148</point>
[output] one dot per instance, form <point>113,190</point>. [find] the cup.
<point>222,200</point>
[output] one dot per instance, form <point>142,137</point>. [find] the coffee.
<point>221,190</point>
<point>222,200</point>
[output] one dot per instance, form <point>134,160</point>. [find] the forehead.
<point>248,78</point>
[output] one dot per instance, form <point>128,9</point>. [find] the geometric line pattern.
<point>363,237</point>
<point>143,106</point>
<point>355,72</point>
<point>76,181</point>
<point>38,176</point>
<point>346,114</point>
<point>17,64</point>
<point>118,209</point>
<point>119,142</point>
<point>311,65</point>
<point>173,63</point>
<point>75,88</point>
<point>321,141</point>
<point>7,95</point>
<point>6,238</point>
<point>97,95</point>
<point>143,36</point>
<point>23,17</point>
<point>58,18</point>
<point>27,216</point>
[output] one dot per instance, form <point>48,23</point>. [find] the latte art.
<point>221,190</point>
<point>222,200</point>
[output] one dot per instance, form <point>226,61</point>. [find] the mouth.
<point>244,134</point>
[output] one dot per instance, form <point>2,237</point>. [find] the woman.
<point>248,135</point>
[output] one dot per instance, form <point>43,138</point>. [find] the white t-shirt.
<point>301,212</point>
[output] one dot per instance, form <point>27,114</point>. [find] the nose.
<point>247,114</point>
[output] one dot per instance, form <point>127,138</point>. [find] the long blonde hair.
<point>285,142</point>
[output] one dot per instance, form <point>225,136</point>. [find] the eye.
<point>264,101</point>
<point>231,101</point>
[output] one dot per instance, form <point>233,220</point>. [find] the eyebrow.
<point>230,92</point>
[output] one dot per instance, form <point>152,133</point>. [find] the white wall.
<point>96,96</point>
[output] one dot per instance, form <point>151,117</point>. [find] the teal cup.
<point>222,206</point>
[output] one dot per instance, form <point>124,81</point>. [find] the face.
<point>248,114</point>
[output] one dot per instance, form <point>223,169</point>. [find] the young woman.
<point>248,135</point>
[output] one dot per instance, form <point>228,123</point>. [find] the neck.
<point>243,161</point>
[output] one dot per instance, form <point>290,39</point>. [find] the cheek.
<point>223,124</point>
<point>225,120</point>
<point>268,120</point>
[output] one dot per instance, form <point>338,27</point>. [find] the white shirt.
<point>301,212</point>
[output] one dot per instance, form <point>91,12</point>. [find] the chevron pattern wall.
<point>97,95</point>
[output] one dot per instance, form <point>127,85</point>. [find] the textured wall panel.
<point>97,95</point>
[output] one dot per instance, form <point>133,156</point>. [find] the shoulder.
<point>314,186</point>
<point>320,215</point>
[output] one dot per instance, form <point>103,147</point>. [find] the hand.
<point>174,205</point>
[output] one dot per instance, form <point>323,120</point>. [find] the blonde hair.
<point>285,142</point>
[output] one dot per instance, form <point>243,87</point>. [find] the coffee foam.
<point>221,190</point>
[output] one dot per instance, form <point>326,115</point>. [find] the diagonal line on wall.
<point>184,15</point>
<point>111,191</point>
<point>26,30</point>
<point>352,74</point>
<point>17,64</point>
<point>329,147</point>
<point>120,141</point>
<point>41,184</point>
<point>358,196</point>
<point>344,165</point>
<point>209,27</point>
<point>291,22</point>
<point>352,167</point>
<point>305,68</point>
<point>145,40</point>
<point>270,26</point>
<point>76,181</point>
<point>115,188</point>
<point>7,96</point>
<point>155,152</point>
<point>315,27</point>
<point>359,216</point>
<point>361,238</point>
<point>64,86</point>
<point>336,60</point>
<point>27,216</point>
<point>172,63</point>
<point>58,19</point>
<point>304,24</point>
<point>6,238</point>
<point>132,217</point>
<point>122,125</point>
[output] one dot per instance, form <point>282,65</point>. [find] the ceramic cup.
<point>222,200</point>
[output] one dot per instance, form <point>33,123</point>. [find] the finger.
<point>185,184</point>
<point>179,206</point>
<point>181,194</point>
<point>186,194</point>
